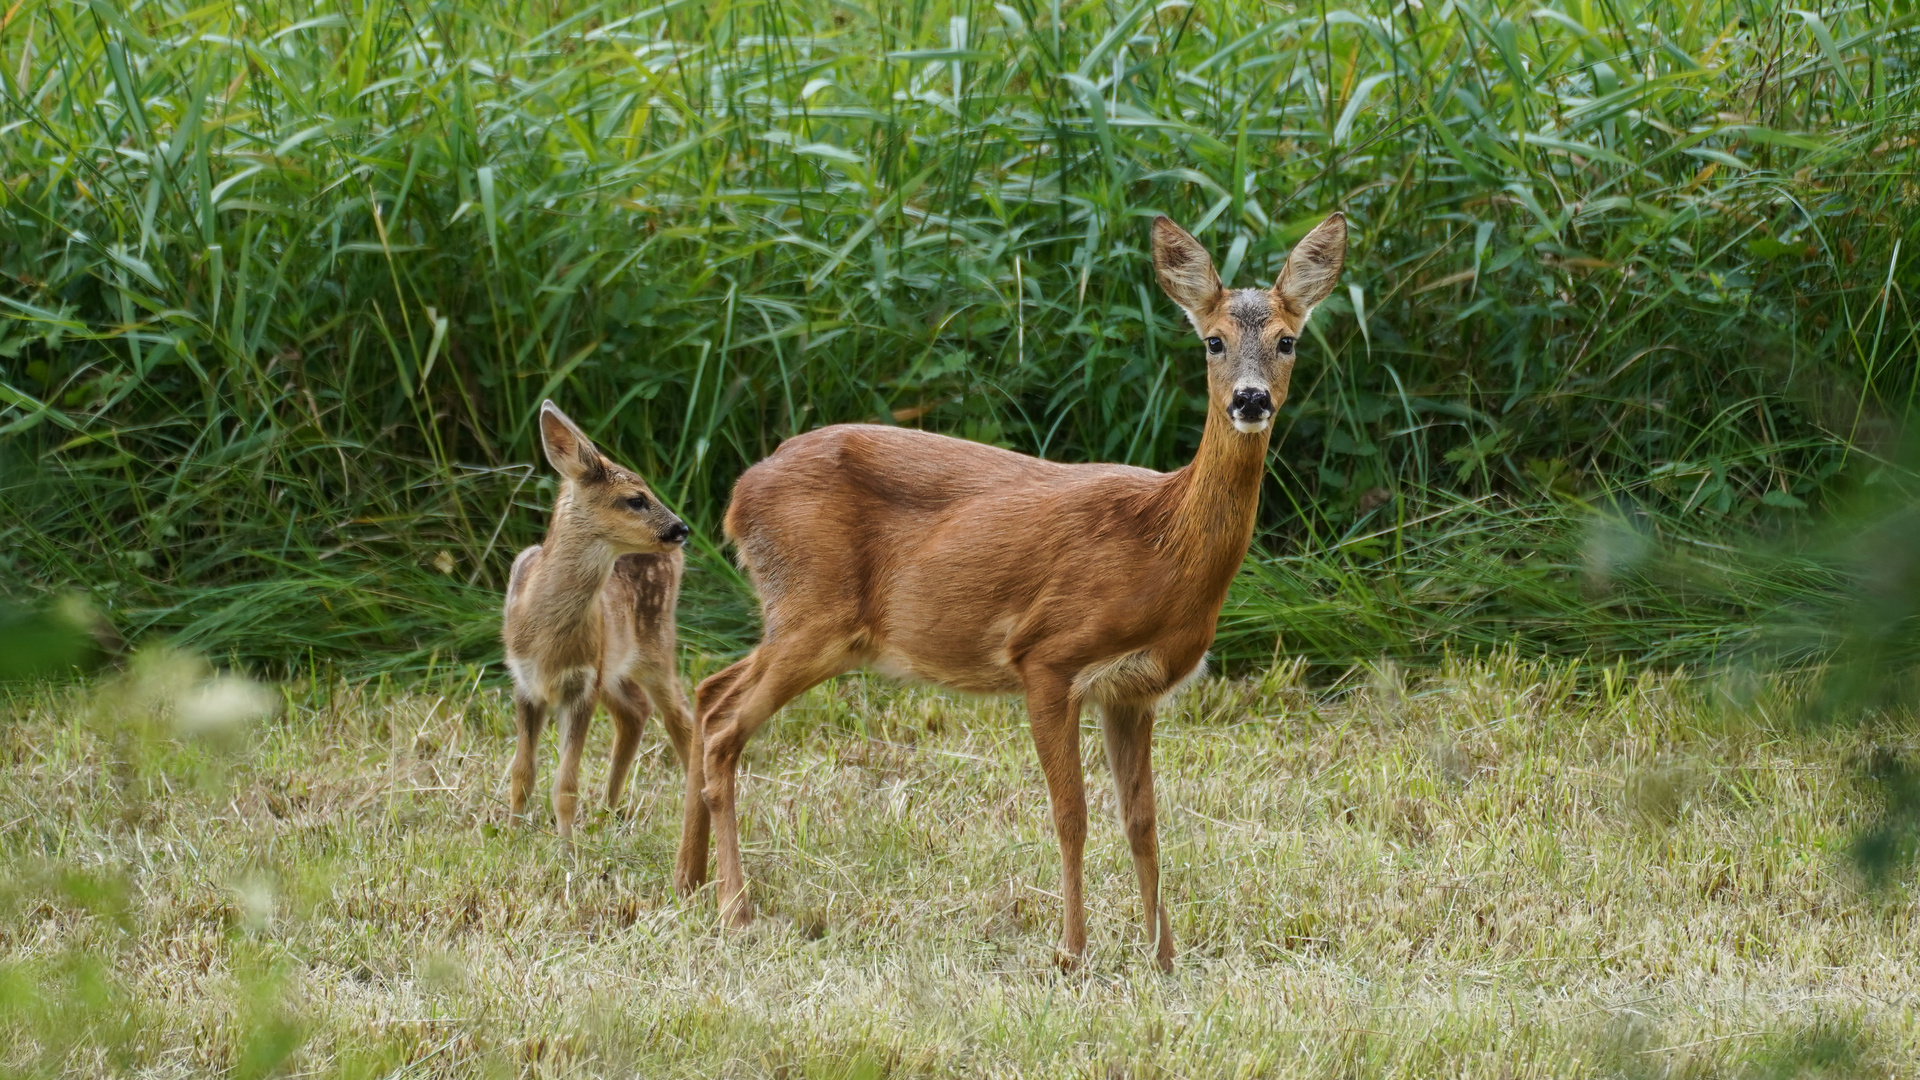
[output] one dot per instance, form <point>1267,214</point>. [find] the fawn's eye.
<point>1286,346</point>
<point>1216,346</point>
<point>638,502</point>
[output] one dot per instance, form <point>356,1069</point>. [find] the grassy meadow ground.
<point>1621,371</point>
<point>1498,870</point>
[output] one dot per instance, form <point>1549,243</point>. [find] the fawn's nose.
<point>1251,408</point>
<point>676,533</point>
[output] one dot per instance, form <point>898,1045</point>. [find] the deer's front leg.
<point>574,713</point>
<point>1129,734</point>
<point>528,718</point>
<point>1054,713</point>
<point>628,708</point>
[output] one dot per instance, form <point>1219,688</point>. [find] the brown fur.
<point>589,620</point>
<point>984,570</point>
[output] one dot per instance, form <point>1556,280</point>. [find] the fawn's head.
<point>601,500</point>
<point>1249,333</point>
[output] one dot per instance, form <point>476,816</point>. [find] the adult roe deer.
<point>983,570</point>
<point>589,619</point>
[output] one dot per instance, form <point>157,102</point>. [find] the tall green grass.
<point>285,281</point>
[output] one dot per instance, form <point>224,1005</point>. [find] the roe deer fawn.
<point>589,619</point>
<point>980,569</point>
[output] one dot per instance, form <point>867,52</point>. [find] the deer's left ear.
<point>572,454</point>
<point>1313,267</point>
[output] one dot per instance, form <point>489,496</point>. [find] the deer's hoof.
<point>737,915</point>
<point>687,882</point>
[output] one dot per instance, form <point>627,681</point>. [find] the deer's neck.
<point>1213,502</point>
<point>573,571</point>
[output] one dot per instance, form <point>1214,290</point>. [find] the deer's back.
<point>937,556</point>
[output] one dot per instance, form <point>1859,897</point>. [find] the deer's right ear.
<point>1185,271</point>
<point>571,453</point>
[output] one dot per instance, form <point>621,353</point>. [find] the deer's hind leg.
<point>733,705</point>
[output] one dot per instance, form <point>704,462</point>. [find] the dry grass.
<point>1492,872</point>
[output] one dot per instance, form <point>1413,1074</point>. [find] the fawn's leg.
<point>690,864</point>
<point>628,709</point>
<point>1054,713</point>
<point>574,714</point>
<point>1129,735</point>
<point>528,718</point>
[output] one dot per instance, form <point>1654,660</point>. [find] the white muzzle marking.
<point>1251,408</point>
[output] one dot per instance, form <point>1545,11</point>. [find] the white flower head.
<point>224,703</point>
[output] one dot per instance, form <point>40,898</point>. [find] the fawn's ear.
<point>569,450</point>
<point>1312,268</point>
<point>1185,271</point>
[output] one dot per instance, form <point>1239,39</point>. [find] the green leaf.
<point>1766,247</point>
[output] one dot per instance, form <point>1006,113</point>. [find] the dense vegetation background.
<point>1625,329</point>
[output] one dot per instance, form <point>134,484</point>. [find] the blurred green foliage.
<point>46,640</point>
<point>174,730</point>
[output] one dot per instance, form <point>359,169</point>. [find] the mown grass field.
<point>1500,870</point>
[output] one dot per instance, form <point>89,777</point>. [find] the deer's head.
<point>1249,333</point>
<point>600,500</point>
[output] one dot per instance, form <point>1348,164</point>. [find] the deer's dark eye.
<point>1216,346</point>
<point>1286,346</point>
<point>638,502</point>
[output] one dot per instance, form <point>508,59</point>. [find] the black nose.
<point>1250,403</point>
<point>675,533</point>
